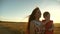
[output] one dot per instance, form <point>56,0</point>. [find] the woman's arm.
<point>31,28</point>
<point>44,22</point>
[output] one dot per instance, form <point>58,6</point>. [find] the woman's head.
<point>35,14</point>
<point>46,15</point>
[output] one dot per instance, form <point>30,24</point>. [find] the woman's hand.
<point>46,22</point>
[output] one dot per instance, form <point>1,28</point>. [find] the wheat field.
<point>20,28</point>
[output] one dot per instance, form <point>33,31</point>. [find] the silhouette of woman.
<point>34,24</point>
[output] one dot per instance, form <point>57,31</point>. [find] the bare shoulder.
<point>51,20</point>
<point>32,22</point>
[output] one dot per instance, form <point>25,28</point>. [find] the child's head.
<point>46,15</point>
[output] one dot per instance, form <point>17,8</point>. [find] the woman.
<point>34,24</point>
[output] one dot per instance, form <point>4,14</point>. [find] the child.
<point>48,23</point>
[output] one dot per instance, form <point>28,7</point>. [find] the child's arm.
<point>51,27</point>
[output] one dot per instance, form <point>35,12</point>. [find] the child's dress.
<point>48,26</point>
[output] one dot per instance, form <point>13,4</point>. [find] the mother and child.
<point>36,26</point>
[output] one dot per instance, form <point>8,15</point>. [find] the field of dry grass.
<point>22,26</point>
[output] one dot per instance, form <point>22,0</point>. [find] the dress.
<point>37,27</point>
<point>48,26</point>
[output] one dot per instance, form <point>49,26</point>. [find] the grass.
<point>20,28</point>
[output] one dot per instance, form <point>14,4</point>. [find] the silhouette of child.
<point>49,27</point>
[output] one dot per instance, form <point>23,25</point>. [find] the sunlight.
<point>54,11</point>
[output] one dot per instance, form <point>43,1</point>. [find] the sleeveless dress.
<point>37,27</point>
<point>48,26</point>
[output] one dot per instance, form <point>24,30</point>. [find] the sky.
<point>18,10</point>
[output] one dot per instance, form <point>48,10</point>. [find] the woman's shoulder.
<point>43,20</point>
<point>51,21</point>
<point>33,21</point>
<point>37,22</point>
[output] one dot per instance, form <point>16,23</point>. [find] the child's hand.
<point>50,30</point>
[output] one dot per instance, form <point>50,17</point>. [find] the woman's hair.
<point>32,16</point>
<point>45,14</point>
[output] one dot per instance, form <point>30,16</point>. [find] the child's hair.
<point>45,14</point>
